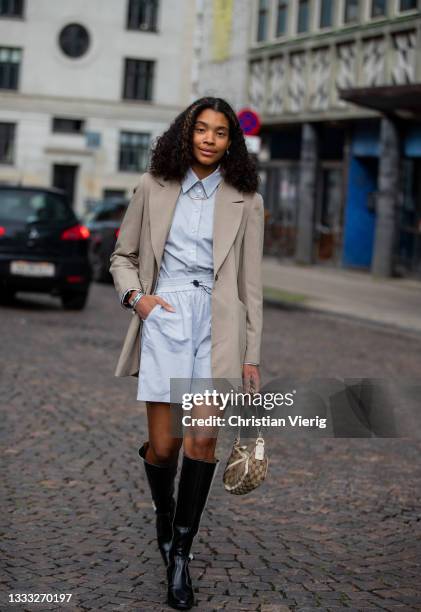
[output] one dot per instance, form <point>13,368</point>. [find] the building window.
<point>138,79</point>
<point>282,18</point>
<point>11,8</point>
<point>408,5</point>
<point>10,59</point>
<point>352,11</point>
<point>142,15</point>
<point>326,13</point>
<point>262,20</point>
<point>74,40</point>
<point>67,126</point>
<point>134,151</point>
<point>7,143</point>
<point>303,16</point>
<point>378,8</point>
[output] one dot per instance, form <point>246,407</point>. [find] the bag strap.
<point>259,430</point>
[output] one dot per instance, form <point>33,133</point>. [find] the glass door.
<point>329,213</point>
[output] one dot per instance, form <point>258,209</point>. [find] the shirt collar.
<point>210,183</point>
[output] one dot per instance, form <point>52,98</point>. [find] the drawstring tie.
<point>207,289</point>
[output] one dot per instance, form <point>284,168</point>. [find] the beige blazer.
<point>237,300</point>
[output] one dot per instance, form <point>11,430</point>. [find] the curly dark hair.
<point>172,162</point>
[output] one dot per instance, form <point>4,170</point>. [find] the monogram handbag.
<point>246,467</point>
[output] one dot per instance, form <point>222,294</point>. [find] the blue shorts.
<point>177,345</point>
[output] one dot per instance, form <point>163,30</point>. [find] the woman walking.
<point>188,263</point>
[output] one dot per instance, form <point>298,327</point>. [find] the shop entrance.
<point>408,242</point>
<point>329,213</point>
<point>280,192</point>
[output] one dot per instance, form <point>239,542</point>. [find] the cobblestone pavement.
<point>335,527</point>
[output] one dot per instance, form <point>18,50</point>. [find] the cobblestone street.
<point>335,527</point>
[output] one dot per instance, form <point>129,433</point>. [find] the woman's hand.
<point>147,302</point>
<point>251,378</point>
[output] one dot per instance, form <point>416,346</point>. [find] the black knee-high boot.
<point>161,482</point>
<point>193,490</point>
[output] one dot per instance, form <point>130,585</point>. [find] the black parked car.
<point>43,246</point>
<point>103,222</point>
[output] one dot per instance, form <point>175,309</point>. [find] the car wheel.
<point>74,301</point>
<point>7,296</point>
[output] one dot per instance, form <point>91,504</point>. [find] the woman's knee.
<point>163,453</point>
<point>200,448</point>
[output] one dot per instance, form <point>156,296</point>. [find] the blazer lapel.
<point>228,212</point>
<point>162,201</point>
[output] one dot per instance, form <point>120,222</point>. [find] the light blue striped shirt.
<point>189,246</point>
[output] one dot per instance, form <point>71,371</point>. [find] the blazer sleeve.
<point>250,278</point>
<point>124,259</point>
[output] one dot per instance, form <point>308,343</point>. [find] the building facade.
<point>335,83</point>
<point>85,87</point>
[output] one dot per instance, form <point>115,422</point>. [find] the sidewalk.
<point>394,302</point>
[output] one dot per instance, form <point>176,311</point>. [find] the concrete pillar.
<point>307,194</point>
<point>387,200</point>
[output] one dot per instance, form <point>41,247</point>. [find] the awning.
<point>402,100</point>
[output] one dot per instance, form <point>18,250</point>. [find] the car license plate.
<point>31,268</point>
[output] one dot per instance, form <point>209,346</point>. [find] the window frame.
<point>410,11</point>
<point>353,22</point>
<point>309,19</point>
<point>82,29</point>
<point>150,68</point>
<point>376,17</point>
<point>287,6</point>
<point>129,18</point>
<point>56,119</point>
<point>20,15</point>
<point>13,64</point>
<point>12,129</point>
<point>266,12</point>
<point>319,16</point>
<point>124,168</point>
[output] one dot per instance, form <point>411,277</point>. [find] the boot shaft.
<point>193,491</point>
<point>161,482</point>
<point>194,487</point>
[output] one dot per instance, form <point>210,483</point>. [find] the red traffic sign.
<point>249,121</point>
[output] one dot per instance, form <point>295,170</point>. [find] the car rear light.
<point>2,230</point>
<point>75,279</point>
<point>117,232</point>
<point>77,232</point>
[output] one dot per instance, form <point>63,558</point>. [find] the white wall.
<point>90,88</point>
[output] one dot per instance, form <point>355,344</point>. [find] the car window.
<point>111,214</point>
<point>104,215</point>
<point>28,206</point>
